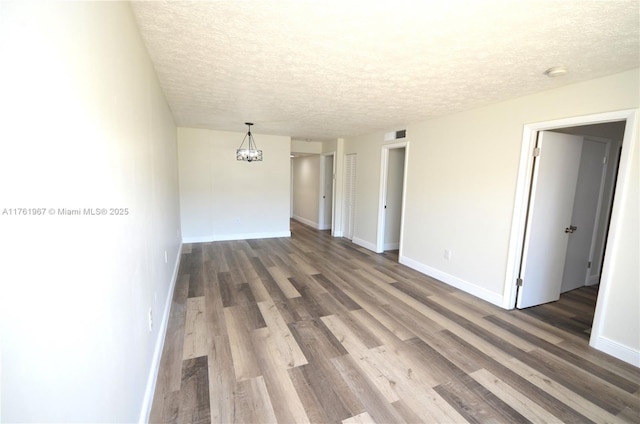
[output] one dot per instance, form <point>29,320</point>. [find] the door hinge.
<point>604,160</point>
<point>519,282</point>
<point>589,264</point>
<point>536,152</point>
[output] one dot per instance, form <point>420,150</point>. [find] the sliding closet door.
<point>349,195</point>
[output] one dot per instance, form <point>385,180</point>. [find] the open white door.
<point>555,175</point>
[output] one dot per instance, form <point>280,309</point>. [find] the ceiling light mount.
<point>556,71</point>
<point>251,153</point>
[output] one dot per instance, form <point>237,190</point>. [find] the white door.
<point>555,175</point>
<point>585,213</point>
<point>349,195</point>
<point>326,208</point>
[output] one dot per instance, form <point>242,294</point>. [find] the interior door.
<point>553,187</point>
<point>327,192</point>
<point>585,213</point>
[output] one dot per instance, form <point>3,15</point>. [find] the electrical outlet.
<point>166,259</point>
<point>447,254</point>
<point>150,319</point>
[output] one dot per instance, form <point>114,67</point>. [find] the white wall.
<point>462,173</point>
<point>306,190</point>
<point>329,146</point>
<point>225,199</point>
<point>619,306</point>
<point>84,124</point>
<point>307,147</point>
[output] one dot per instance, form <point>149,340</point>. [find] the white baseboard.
<point>337,233</point>
<point>157,353</point>
<point>239,236</point>
<point>306,221</point>
<point>617,350</point>
<point>364,243</point>
<point>456,282</point>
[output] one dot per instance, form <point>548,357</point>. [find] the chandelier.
<point>251,153</point>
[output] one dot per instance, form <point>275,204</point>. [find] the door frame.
<point>384,172</point>
<point>523,190</point>
<point>323,163</point>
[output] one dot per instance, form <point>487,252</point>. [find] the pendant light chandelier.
<point>251,153</point>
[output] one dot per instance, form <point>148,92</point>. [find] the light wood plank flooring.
<point>317,329</point>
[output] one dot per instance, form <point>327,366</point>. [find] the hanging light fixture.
<point>251,153</point>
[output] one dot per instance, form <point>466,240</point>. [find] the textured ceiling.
<point>327,69</point>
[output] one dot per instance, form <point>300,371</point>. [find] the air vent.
<point>395,135</point>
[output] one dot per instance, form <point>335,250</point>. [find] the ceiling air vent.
<point>395,135</point>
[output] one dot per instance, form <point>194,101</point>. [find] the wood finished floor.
<point>317,329</point>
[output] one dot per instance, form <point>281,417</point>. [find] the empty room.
<point>330,212</point>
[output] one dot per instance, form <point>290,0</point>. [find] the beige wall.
<point>306,190</point>
<point>462,173</point>
<point>84,125</point>
<point>225,199</point>
<point>306,147</point>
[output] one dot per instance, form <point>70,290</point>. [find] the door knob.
<point>570,229</point>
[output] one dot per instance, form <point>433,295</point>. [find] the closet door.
<point>349,195</point>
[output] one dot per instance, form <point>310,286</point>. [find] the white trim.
<point>364,243</point>
<point>157,353</point>
<point>306,221</point>
<point>518,221</point>
<point>239,236</point>
<point>616,350</point>
<point>453,281</point>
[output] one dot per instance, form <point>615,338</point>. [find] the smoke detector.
<point>556,71</point>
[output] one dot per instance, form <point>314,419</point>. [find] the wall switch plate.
<point>150,319</point>
<point>447,254</point>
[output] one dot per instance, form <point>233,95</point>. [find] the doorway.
<point>392,194</point>
<point>327,190</point>
<point>591,208</point>
<point>570,190</point>
<point>525,194</point>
